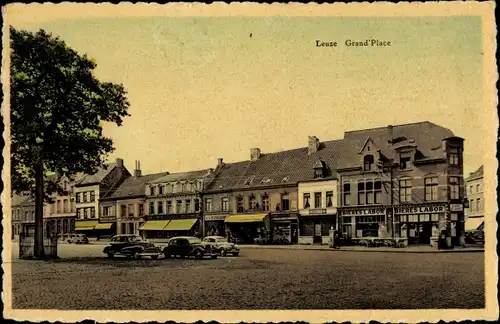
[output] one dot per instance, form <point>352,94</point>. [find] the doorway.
<point>295,237</point>
<point>317,233</point>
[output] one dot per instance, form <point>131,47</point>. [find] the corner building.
<point>402,181</point>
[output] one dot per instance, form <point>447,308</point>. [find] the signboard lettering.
<point>420,209</point>
<point>107,219</point>
<point>317,211</point>
<point>363,211</point>
<point>215,217</point>
<point>456,207</point>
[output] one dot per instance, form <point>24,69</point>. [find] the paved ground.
<point>258,279</point>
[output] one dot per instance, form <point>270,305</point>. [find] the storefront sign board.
<point>423,209</point>
<point>362,211</point>
<point>107,219</point>
<point>209,218</point>
<point>456,207</point>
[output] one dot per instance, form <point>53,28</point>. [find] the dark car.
<point>131,246</point>
<point>187,246</point>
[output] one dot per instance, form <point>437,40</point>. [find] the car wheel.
<point>214,256</point>
<point>69,241</point>
<point>111,254</point>
<point>236,254</point>
<point>154,257</point>
<point>167,256</point>
<point>198,254</point>
<point>223,252</point>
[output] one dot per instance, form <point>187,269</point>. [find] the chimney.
<point>254,154</point>
<point>391,133</point>
<point>220,162</point>
<point>119,163</point>
<point>137,170</point>
<point>312,145</point>
<point>210,171</point>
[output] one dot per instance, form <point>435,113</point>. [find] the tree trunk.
<point>39,194</point>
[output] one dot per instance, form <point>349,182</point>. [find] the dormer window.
<point>368,162</point>
<point>318,173</point>
<point>319,169</point>
<point>405,161</point>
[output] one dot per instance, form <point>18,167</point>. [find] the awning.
<point>103,226</point>
<point>252,218</point>
<point>473,224</point>
<point>154,225</point>
<point>181,224</point>
<point>85,225</point>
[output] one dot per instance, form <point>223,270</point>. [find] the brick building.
<point>402,181</point>
<point>475,193</point>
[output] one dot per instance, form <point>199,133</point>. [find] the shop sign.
<point>420,209</point>
<point>209,218</point>
<point>317,211</point>
<point>456,207</point>
<point>363,211</point>
<point>128,218</point>
<point>107,219</point>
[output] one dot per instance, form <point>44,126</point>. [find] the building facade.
<point>475,213</point>
<point>88,191</point>
<point>173,204</point>
<point>23,212</point>
<point>402,181</point>
<point>127,203</point>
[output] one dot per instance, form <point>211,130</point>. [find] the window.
<point>470,189</point>
<point>92,196</point>
<point>329,199</point>
<point>405,161</point>
<point>178,207</point>
<point>253,203</point>
<point>189,187</point>
<point>361,193</point>
<point>317,200</point>
<point>58,208</point>
<point>477,188</point>
<point>168,207</point>
<point>160,207</point>
<point>79,212</point>
<point>285,202</point>
<point>106,211</point>
<point>478,204</point>
<point>141,209</point>
<point>85,213</point>
<point>453,156</point>
<point>178,187</point>
<point>66,206</point>
<point>404,191</point>
<point>188,206</point>
<point>225,204</point>
<point>84,196</point>
<point>472,204</point>
<point>239,205</point>
<point>368,162</point>
<point>196,205</point>
<point>92,212</point>
<point>370,194</point>
<point>318,173</point>
<point>152,189</point>
<point>208,204</point>
<point>454,188</point>
<point>347,194</point>
<point>168,189</point>
<point>151,208</point>
<point>378,191</point>
<point>265,202</point>
<point>431,188</point>
<point>160,189</point>
<point>26,216</point>
<point>123,210</point>
<point>307,197</point>
<point>130,209</point>
<point>78,197</point>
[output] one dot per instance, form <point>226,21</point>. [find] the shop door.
<point>425,233</point>
<point>295,237</point>
<point>317,233</point>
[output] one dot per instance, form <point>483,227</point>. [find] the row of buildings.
<point>397,181</point>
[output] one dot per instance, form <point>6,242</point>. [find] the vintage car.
<point>188,246</point>
<point>131,246</point>
<point>73,238</point>
<point>222,245</point>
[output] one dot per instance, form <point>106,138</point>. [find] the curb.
<point>371,251</point>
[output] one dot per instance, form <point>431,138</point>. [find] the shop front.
<point>249,228</point>
<point>315,225</point>
<point>86,227</point>
<point>106,227</point>
<point>215,225</point>
<point>167,226</point>
<point>284,229</point>
<point>358,222</point>
<point>422,224</point>
<point>59,225</point>
<point>129,225</point>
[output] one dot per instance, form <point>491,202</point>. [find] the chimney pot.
<point>254,154</point>
<point>137,170</point>
<point>220,162</point>
<point>312,145</point>
<point>119,162</point>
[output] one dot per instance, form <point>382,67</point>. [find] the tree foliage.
<point>57,110</point>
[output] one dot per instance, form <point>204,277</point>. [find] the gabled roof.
<point>425,135</point>
<point>280,168</point>
<point>191,175</point>
<point>133,186</point>
<point>476,174</point>
<point>98,176</point>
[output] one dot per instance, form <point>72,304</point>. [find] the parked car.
<point>222,245</point>
<point>188,246</point>
<point>75,238</point>
<point>131,246</point>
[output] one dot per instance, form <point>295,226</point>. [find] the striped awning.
<point>473,224</point>
<point>86,225</point>
<point>154,225</point>
<point>181,224</point>
<point>103,226</point>
<point>251,218</point>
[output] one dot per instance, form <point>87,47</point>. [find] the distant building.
<point>173,204</point>
<point>23,212</point>
<point>89,190</point>
<point>402,181</point>
<point>127,202</point>
<point>475,193</point>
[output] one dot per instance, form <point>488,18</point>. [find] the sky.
<point>201,88</point>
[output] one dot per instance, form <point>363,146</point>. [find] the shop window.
<point>265,202</point>
<point>240,208</point>
<point>454,187</point>
<point>306,199</point>
<point>361,193</point>
<point>92,196</point>
<point>188,206</point>
<point>454,217</point>
<point>405,190</point>
<point>285,202</point>
<point>160,208</point>
<point>178,207</point>
<point>168,207</point>
<point>431,188</point>
<point>326,224</point>
<point>225,203</point>
<point>208,204</point>
<point>405,161</point>
<point>306,227</point>
<point>329,199</point>
<point>317,200</point>
<point>434,217</point>
<point>151,208</point>
<point>454,156</point>
<point>141,209</point>
<point>368,162</point>
<point>346,194</point>
<point>196,205</point>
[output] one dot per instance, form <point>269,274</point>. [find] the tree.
<point>58,109</point>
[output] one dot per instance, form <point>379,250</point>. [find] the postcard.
<point>250,162</point>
